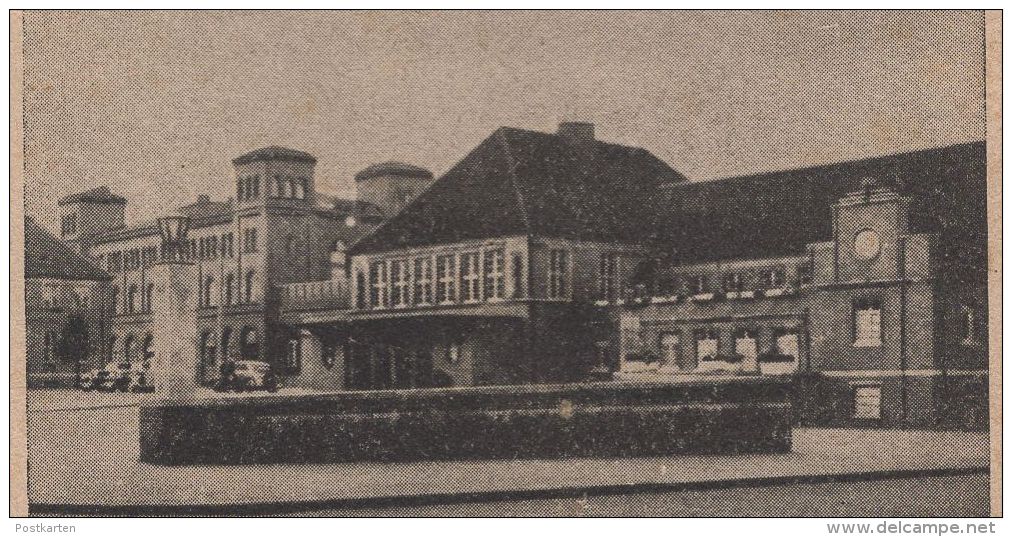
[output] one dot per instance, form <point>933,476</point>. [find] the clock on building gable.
<point>867,244</point>
<point>869,226</point>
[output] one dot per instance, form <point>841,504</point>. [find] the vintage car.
<point>246,375</point>
<point>118,377</point>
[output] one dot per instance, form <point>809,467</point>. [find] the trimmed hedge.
<point>585,420</point>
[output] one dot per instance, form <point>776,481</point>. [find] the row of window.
<point>770,278</point>
<point>230,294</point>
<point>209,247</point>
<point>708,344</point>
<point>443,279</point>
<point>136,299</point>
<point>280,186</point>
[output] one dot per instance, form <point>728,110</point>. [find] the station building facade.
<point>558,257</point>
<point>276,230</point>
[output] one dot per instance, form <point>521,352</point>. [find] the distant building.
<point>65,300</point>
<point>277,230</point>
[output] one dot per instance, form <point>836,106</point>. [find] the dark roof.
<point>348,207</point>
<point>393,168</point>
<point>772,214</point>
<point>519,182</point>
<point>47,257</point>
<point>274,153</point>
<point>100,194</point>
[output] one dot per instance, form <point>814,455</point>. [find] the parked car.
<point>118,377</point>
<point>246,375</point>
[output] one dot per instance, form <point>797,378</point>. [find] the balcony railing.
<point>327,294</point>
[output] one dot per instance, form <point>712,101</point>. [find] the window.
<point>226,245</point>
<point>446,285</point>
<point>293,362</point>
<point>282,185</point>
<point>774,278</point>
<point>68,224</point>
<point>967,326</point>
<point>518,276</point>
<point>240,189</point>
<point>495,284</point>
<point>250,277</point>
<point>732,282</point>
<point>255,186</point>
<point>707,345</point>
<point>745,345</point>
<point>558,270</point>
<point>208,292</point>
<point>378,284</point>
<point>149,297</point>
<point>208,353</point>
<point>227,288</point>
<point>250,240</point>
<point>868,402</point>
<point>867,323</point>
<point>786,342</point>
<point>805,273</point>
<point>470,279</point>
<point>696,284</point>
<point>300,188</point>
<point>608,276</point>
<point>249,343</point>
<point>132,299</point>
<point>669,344</point>
<point>400,283</point>
<point>423,281</point>
<point>114,298</point>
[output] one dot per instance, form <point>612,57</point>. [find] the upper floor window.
<point>250,280</point>
<point>607,275</point>
<point>132,299</point>
<point>446,285</point>
<point>423,281</point>
<point>282,186</point>
<point>495,281</point>
<point>400,283</point>
<point>378,284</point>
<point>300,187</point>
<point>228,287</point>
<point>208,292</point>
<point>774,278</point>
<point>250,240</point>
<point>558,272</point>
<point>149,297</point>
<point>696,284</point>
<point>867,323</point>
<point>732,282</point>
<point>470,279</point>
<point>68,224</point>
<point>227,247</point>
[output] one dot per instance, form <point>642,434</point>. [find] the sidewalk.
<point>90,457</point>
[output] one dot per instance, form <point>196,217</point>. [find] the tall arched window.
<point>208,355</point>
<point>132,299</point>
<point>208,291</point>
<point>147,349</point>
<point>227,289</point>
<point>226,339</point>
<point>250,278</point>
<point>250,343</point>
<point>129,348</point>
<point>114,299</point>
<point>149,297</point>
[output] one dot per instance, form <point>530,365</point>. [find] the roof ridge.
<point>513,177</point>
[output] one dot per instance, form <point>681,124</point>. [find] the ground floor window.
<point>669,344</point>
<point>868,402</point>
<point>707,345</point>
<point>745,345</point>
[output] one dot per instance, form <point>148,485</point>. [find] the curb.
<point>295,507</point>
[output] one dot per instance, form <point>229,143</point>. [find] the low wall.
<point>608,419</point>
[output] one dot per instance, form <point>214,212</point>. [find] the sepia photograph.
<point>718,264</point>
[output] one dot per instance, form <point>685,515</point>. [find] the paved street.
<point>946,496</point>
<point>89,456</point>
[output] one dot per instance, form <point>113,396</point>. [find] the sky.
<point>156,104</point>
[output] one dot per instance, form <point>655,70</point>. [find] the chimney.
<point>577,131</point>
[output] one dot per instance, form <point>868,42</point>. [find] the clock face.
<point>867,244</point>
